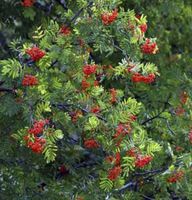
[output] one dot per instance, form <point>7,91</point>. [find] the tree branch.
<point>63,4</point>
<point>66,106</point>
<point>158,115</point>
<point>78,13</point>
<point>8,90</point>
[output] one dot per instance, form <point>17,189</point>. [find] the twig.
<point>146,197</point>
<point>158,115</point>
<point>63,4</point>
<point>78,13</point>
<point>151,172</point>
<point>8,90</point>
<point>66,107</point>
<point>126,186</point>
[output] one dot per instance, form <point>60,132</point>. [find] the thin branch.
<point>66,107</point>
<point>168,125</point>
<point>135,183</point>
<point>63,4</point>
<point>146,197</point>
<point>158,115</point>
<point>126,186</point>
<point>78,13</point>
<point>151,172</point>
<point>8,90</point>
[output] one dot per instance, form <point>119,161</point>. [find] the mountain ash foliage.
<point>95,99</point>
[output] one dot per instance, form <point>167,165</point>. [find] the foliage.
<point>101,123</point>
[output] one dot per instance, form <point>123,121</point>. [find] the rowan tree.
<point>89,108</point>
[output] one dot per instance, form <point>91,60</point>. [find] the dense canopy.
<point>95,99</point>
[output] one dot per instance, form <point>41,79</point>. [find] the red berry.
<point>91,144</point>
<point>38,127</point>
<point>132,152</point>
<point>113,93</point>
<point>114,173</point>
<point>142,161</point>
<point>109,159</point>
<point>95,109</point>
<point>65,30</point>
<point>183,97</point>
<point>63,170</point>
<point>35,53</point>
<point>37,145</point>
<point>27,3</point>
<point>143,28</point>
<point>177,176</point>
<point>137,77</point>
<point>85,85</point>
<point>109,18</point>
<point>29,80</point>
<point>149,47</point>
<point>89,69</point>
<point>117,158</point>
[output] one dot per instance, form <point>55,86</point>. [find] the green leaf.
<point>11,68</point>
<point>29,13</point>
<point>106,184</point>
<point>128,165</point>
<point>153,147</point>
<point>59,134</point>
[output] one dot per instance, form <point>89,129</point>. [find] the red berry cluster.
<point>75,115</point>
<point>35,53</point>
<point>38,127</point>
<point>85,84</point>
<point>114,173</point>
<point>143,28</point>
<point>29,80</point>
<point>142,161</point>
<point>132,152</point>
<point>112,159</point>
<point>89,69</point>
<point>121,131</point>
<point>131,66</point>
<point>36,143</point>
<point>138,16</point>
<point>113,93</point>
<point>177,176</point>
<point>65,30</point>
<point>91,144</point>
<point>27,3</point>
<point>116,170</point>
<point>63,170</point>
<point>108,18</point>
<point>117,158</point>
<point>137,77</point>
<point>149,47</point>
<point>179,111</point>
<point>95,109</point>
<point>109,159</point>
<point>133,118</point>
<point>183,97</point>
